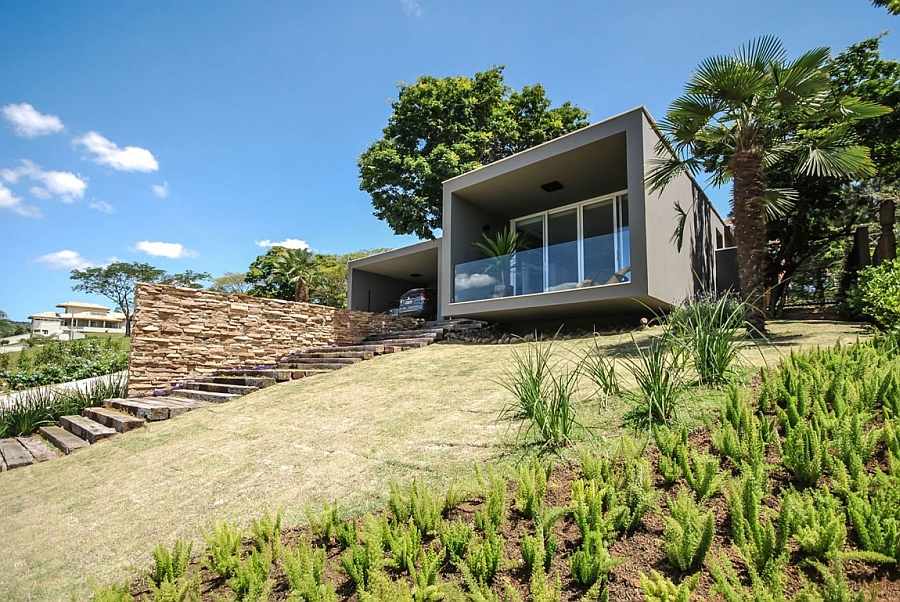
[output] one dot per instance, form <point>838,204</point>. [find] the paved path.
<point>81,385</point>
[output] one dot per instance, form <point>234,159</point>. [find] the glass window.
<point>599,243</point>
<point>529,261</point>
<point>562,250</point>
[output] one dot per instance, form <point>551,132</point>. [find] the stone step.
<point>407,343</point>
<point>377,349</point>
<point>295,374</point>
<point>293,366</point>
<point>143,407</point>
<point>86,429</point>
<point>181,405</point>
<point>407,334</point>
<point>320,360</point>
<point>328,353</point>
<point>114,419</point>
<point>234,389</point>
<point>279,375</point>
<point>40,451</point>
<point>62,439</point>
<point>14,454</point>
<point>190,393</point>
<point>259,382</point>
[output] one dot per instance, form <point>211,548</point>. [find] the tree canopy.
<point>826,211</point>
<point>743,114</point>
<point>326,281</point>
<point>893,6</point>
<point>443,127</point>
<point>118,280</point>
<point>231,283</point>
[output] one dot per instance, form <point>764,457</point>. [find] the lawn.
<point>431,413</point>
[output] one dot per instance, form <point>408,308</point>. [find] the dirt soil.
<point>641,550</point>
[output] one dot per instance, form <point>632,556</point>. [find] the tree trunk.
<point>750,234</point>
<point>302,291</point>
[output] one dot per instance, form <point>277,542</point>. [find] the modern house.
<point>77,320</point>
<point>594,244</point>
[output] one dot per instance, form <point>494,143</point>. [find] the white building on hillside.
<point>77,320</point>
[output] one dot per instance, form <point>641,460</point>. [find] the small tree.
<point>231,283</point>
<point>118,280</point>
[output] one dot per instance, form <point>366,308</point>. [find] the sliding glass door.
<point>581,245</point>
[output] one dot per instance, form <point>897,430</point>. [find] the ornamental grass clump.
<point>544,397</point>
<point>709,327</point>
<point>660,372</point>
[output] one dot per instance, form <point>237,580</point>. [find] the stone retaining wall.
<point>179,333</point>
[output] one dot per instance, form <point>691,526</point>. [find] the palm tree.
<point>743,113</point>
<point>297,267</point>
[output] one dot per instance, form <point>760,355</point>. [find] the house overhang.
<point>513,189</point>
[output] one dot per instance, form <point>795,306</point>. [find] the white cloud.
<point>172,250</point>
<point>161,190</point>
<point>28,122</point>
<point>288,243</point>
<point>466,281</point>
<point>64,184</point>
<point>9,201</point>
<point>102,206</point>
<point>412,8</point>
<point>106,152</point>
<point>65,259</point>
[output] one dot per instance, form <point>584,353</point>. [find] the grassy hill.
<point>431,413</point>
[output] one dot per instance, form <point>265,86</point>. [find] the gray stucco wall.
<point>374,292</point>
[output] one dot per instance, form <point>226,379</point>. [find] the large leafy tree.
<point>118,280</point>
<point>443,127</point>
<point>826,211</point>
<point>744,113</point>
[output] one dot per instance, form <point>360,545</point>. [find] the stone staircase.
<point>118,416</point>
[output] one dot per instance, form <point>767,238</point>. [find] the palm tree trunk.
<point>750,233</point>
<point>302,291</point>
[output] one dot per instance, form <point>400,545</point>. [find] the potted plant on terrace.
<point>500,250</point>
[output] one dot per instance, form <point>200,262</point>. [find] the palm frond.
<point>802,82</point>
<point>728,80</point>
<point>678,234</point>
<point>856,109</point>
<point>837,160</point>
<point>762,52</point>
<point>779,201</point>
<point>662,171</point>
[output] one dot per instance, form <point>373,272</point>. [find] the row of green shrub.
<point>64,361</point>
<point>29,410</point>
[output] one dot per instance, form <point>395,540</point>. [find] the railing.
<point>529,272</point>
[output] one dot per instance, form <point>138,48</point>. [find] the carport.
<point>378,281</point>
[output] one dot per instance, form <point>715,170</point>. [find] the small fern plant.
<point>170,565</point>
<point>689,532</point>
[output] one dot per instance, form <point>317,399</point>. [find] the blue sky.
<point>187,134</point>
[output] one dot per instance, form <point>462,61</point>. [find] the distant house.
<point>595,243</point>
<point>77,320</point>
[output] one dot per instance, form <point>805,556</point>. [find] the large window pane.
<point>623,241</point>
<point>562,250</point>
<point>599,243</point>
<point>529,261</point>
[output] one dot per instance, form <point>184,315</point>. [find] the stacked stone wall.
<point>180,333</point>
